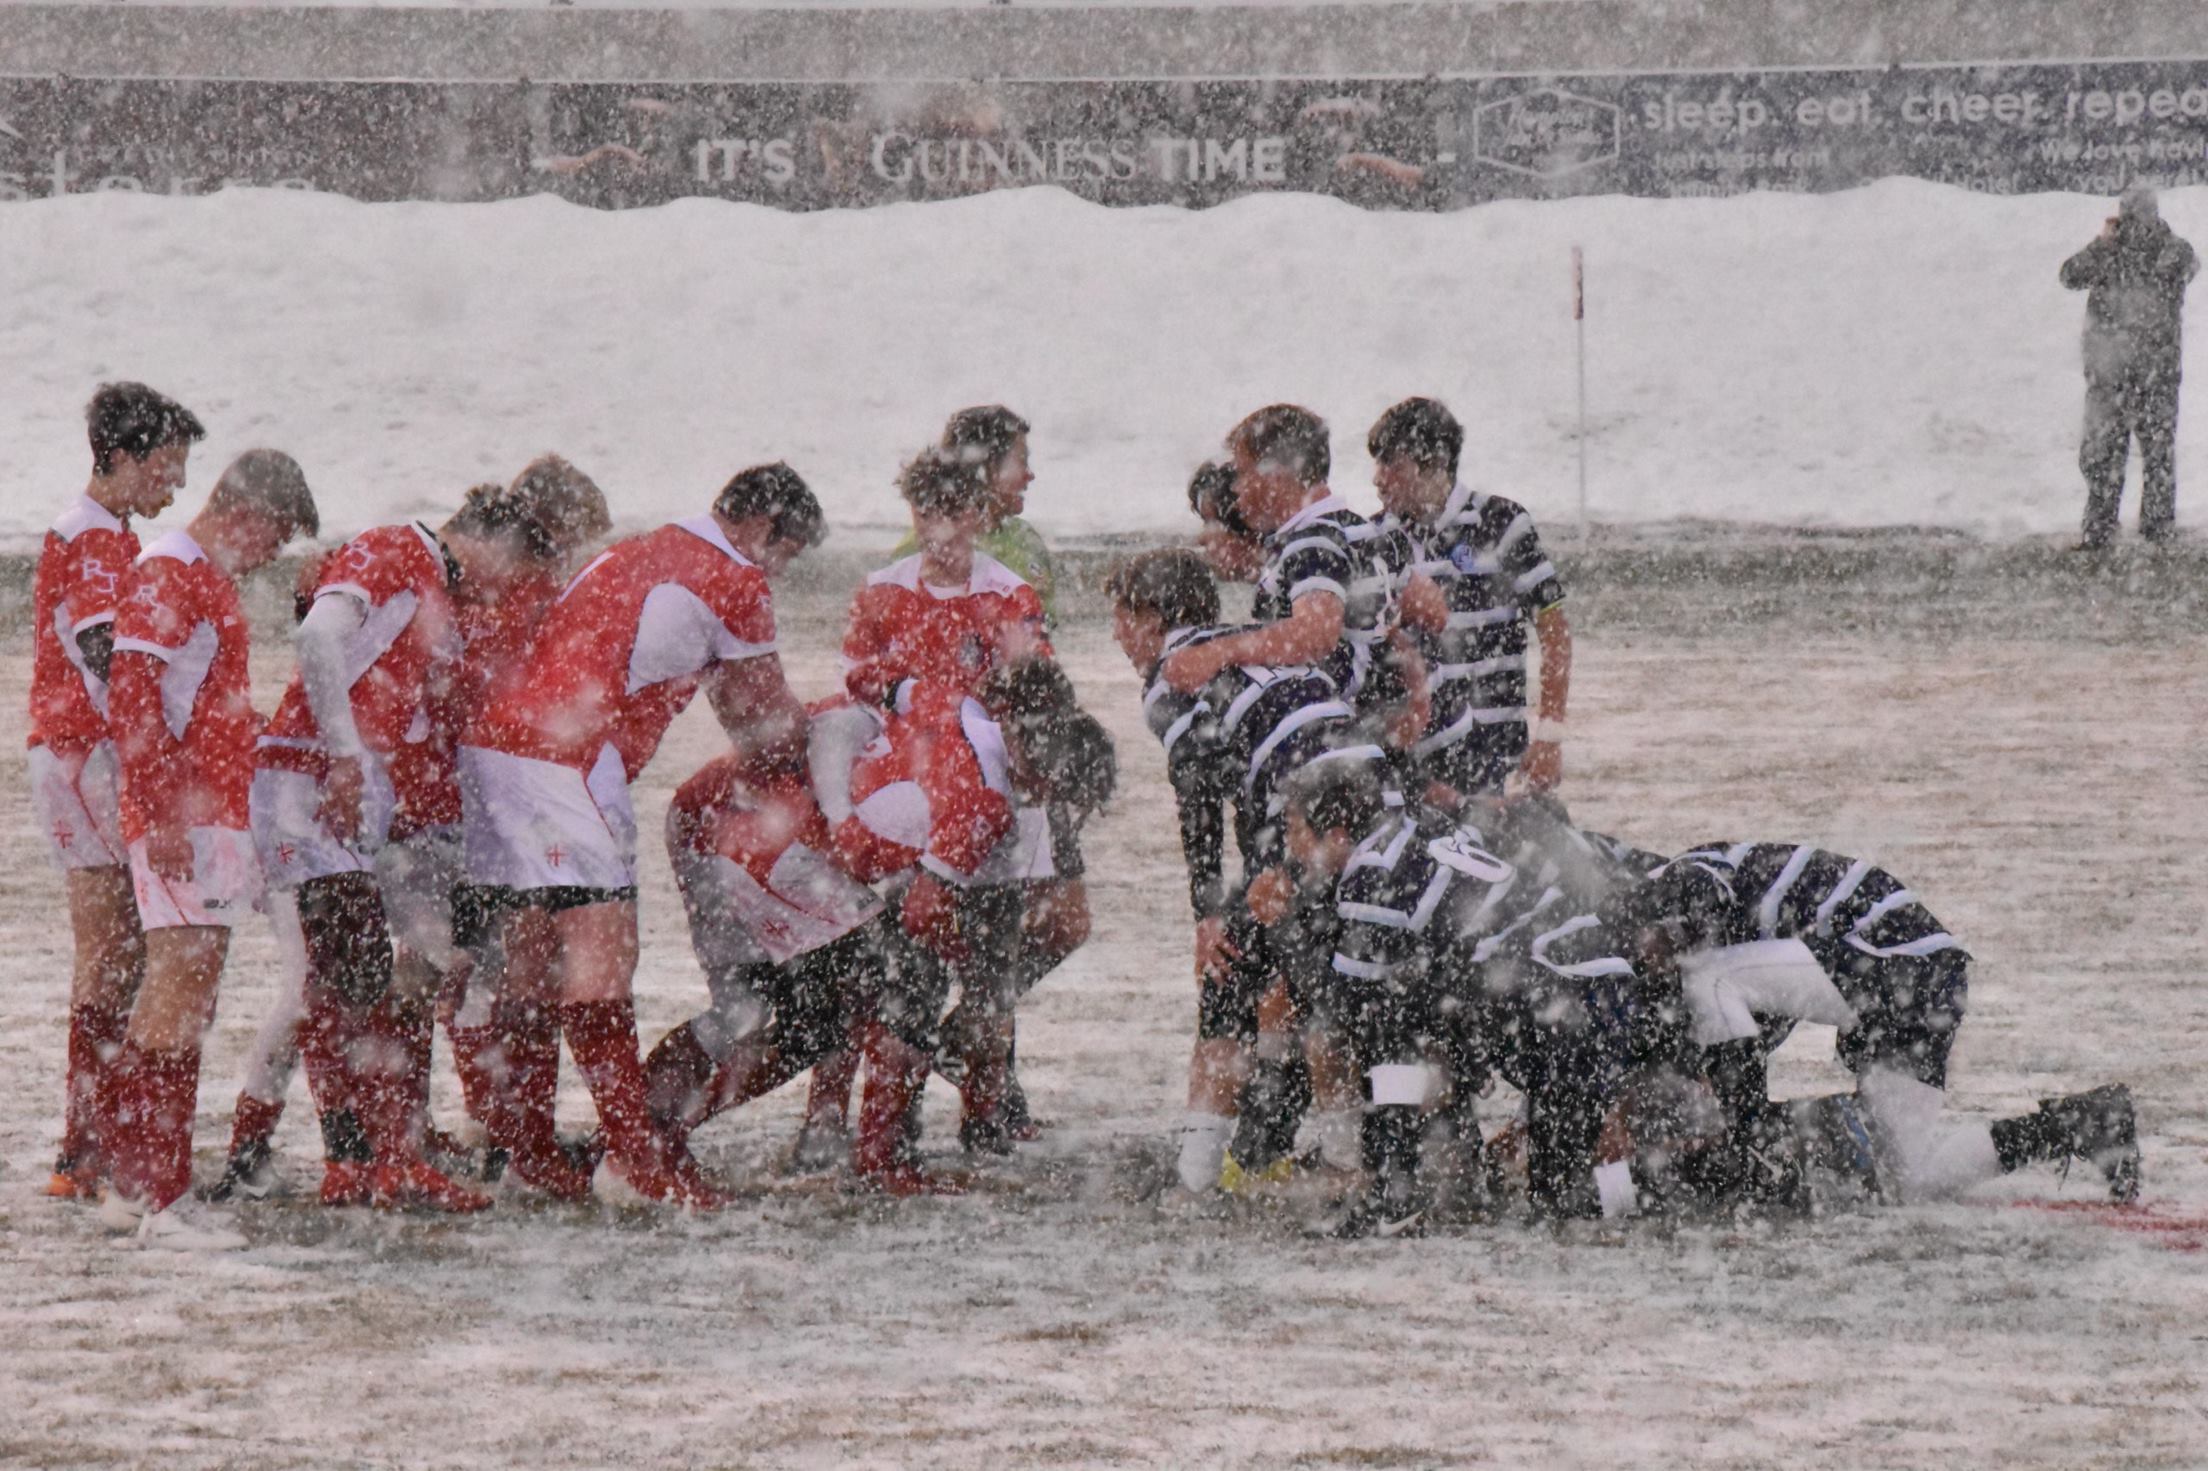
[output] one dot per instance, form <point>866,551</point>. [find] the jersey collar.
<point>1324,505</point>
<point>706,529</point>
<point>178,545</point>
<point>437,548</point>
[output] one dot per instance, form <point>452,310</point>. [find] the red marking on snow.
<point>2176,1232</point>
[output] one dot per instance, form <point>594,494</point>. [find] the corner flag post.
<point>1579,326</point>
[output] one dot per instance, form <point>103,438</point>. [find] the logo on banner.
<point>1547,133</point>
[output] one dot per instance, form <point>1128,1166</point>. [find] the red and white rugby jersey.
<point>402,576</point>
<point>623,650</point>
<point>494,641</point>
<point>903,628</point>
<point>748,818</point>
<point>181,701</point>
<point>935,790</point>
<point>84,569</point>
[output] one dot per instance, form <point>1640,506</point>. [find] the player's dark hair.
<point>493,512</point>
<point>939,482</point>
<point>1174,584</point>
<point>983,434</point>
<point>1342,793</point>
<point>268,483</point>
<point>132,419</point>
<point>1287,435</point>
<point>781,495</point>
<point>567,503</point>
<point>1211,497</point>
<point>1073,756</point>
<point>1422,429</point>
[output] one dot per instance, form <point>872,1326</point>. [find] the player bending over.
<point>1764,934</point>
<point>182,708</point>
<point>437,922</point>
<point>1236,741</point>
<point>545,777</point>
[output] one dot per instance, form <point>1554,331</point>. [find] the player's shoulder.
<point>901,575</point>
<point>85,517</point>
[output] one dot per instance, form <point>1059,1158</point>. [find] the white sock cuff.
<point>1402,1084</point>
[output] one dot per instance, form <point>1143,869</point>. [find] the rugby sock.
<point>602,1035</point>
<point>678,1079</point>
<point>95,1042</point>
<point>416,1023</point>
<point>475,1056</point>
<point>1203,1151</point>
<point>828,1096</point>
<point>156,1097</point>
<point>323,1043</point>
<point>252,1125</point>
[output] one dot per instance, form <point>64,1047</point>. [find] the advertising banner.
<point>1439,143</point>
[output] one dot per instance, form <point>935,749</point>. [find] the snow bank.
<point>1898,354</point>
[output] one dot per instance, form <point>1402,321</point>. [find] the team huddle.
<point>437,821</point>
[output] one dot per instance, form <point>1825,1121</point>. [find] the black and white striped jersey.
<point>1484,554</point>
<point>1424,901</point>
<point>1237,741</point>
<point>1789,891</point>
<point>1329,548</point>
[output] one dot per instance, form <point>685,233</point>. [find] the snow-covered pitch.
<point>2017,736</point>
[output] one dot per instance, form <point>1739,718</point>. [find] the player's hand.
<point>169,852</point>
<point>1542,765</point>
<point>1213,948</point>
<point>930,915</point>
<point>1408,724</point>
<point>1270,896</point>
<point>1191,669</point>
<point>339,809</point>
<point>1425,607</point>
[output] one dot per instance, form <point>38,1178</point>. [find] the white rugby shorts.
<point>77,802</point>
<point>531,824</point>
<point>807,902</point>
<point>295,846</point>
<point>225,882</point>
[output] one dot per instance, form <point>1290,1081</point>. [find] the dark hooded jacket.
<point>2135,280</point>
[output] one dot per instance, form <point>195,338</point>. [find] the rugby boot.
<point>415,1184</point>
<point>251,1168</point>
<point>2098,1127</point>
<point>74,1177</point>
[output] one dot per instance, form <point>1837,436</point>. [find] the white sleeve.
<point>334,620</point>
<point>832,745</point>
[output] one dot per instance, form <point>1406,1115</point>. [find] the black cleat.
<point>2100,1128</point>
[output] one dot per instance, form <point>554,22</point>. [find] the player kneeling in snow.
<point>937,798</point>
<point>1762,935</point>
<point>792,946</point>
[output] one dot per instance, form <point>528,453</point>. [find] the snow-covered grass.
<point>1950,734</point>
<point>1899,354</point>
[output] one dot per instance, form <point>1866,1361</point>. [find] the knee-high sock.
<point>95,1045</point>
<point>602,1035</point>
<point>156,1095</point>
<point>1933,1154</point>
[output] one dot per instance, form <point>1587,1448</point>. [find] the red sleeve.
<point>378,567</point>
<point>103,574</point>
<point>1027,605</point>
<point>866,647</point>
<point>745,606</point>
<point>689,815</point>
<point>152,756</point>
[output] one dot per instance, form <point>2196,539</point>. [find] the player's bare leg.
<point>110,962</point>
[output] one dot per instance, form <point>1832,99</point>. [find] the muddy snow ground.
<point>2018,737</point>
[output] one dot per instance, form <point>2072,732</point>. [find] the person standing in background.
<point>2135,273</point>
